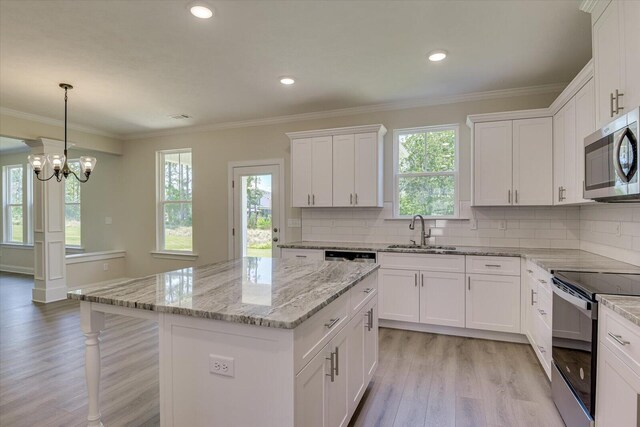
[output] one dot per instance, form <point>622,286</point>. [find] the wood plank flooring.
<point>422,380</point>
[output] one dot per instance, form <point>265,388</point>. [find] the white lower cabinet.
<point>537,306</point>
<point>362,353</point>
<point>618,392</point>
<point>399,295</point>
<point>493,303</point>
<point>442,299</point>
<point>371,343</point>
<point>338,402</point>
<point>312,392</point>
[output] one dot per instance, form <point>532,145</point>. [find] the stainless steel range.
<point>575,329</point>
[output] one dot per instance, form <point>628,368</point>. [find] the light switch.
<point>294,223</point>
<point>107,220</point>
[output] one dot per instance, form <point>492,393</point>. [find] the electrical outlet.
<point>105,266</point>
<point>108,220</point>
<point>473,224</point>
<point>294,223</point>
<point>503,225</point>
<point>221,365</point>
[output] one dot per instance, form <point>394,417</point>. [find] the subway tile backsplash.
<point>543,227</point>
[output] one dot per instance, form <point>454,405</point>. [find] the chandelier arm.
<point>78,178</point>
<point>47,179</point>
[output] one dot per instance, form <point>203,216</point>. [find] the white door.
<point>533,161</point>
<point>492,163</point>
<point>607,61</point>
<point>493,303</point>
<point>343,172</point>
<point>366,170</point>
<point>585,126</point>
<point>618,391</point>
<point>399,296</point>
<point>256,211</point>
<point>338,400</point>
<point>312,392</point>
<point>301,152</point>
<point>322,171</point>
<point>442,299</point>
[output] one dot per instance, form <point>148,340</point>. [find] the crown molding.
<point>390,106</point>
<point>508,115</point>
<point>55,122</point>
<point>574,87</point>
<point>587,5</point>
<point>379,129</point>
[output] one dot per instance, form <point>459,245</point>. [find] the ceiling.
<point>135,63</point>
<point>12,145</point>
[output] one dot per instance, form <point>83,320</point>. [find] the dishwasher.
<point>350,256</point>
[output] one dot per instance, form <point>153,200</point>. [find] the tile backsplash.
<point>544,227</point>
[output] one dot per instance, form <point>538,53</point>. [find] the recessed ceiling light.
<point>287,81</point>
<point>437,55</point>
<point>201,10</point>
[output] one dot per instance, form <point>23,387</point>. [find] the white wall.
<point>612,230</point>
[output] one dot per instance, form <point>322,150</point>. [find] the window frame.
<point>79,203</point>
<point>397,175</point>
<point>26,204</point>
<point>160,202</point>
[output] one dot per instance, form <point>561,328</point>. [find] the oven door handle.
<point>573,300</point>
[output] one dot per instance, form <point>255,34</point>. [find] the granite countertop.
<point>626,306</point>
<point>256,291</point>
<point>549,259</point>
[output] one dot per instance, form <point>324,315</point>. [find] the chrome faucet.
<point>423,235</point>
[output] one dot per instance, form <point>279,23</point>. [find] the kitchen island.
<point>254,341</point>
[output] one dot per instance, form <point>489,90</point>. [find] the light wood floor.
<point>422,379</point>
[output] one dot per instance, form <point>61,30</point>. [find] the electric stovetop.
<point>590,284</point>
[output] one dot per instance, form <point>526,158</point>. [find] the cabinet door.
<point>355,364</point>
<point>322,171</point>
<point>338,400</point>
<point>492,163</point>
<point>608,66</point>
<point>311,402</point>
<point>343,170</point>
<point>399,295</point>
<point>585,126</point>
<point>442,299</point>
<point>533,161</point>
<point>301,153</point>
<point>558,156</point>
<point>368,177</point>
<point>371,343</point>
<point>618,391</point>
<point>493,303</point>
<point>630,17</point>
<point>569,164</point>
<point>530,287</point>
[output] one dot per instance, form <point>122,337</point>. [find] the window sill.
<point>183,256</point>
<point>17,245</point>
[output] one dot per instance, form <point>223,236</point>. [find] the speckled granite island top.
<point>549,259</point>
<point>256,291</point>
<point>626,306</point>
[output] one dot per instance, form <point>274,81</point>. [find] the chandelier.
<point>59,161</point>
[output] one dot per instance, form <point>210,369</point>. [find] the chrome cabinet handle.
<point>613,111</point>
<point>313,199</point>
<point>618,339</point>
<point>618,107</point>
<point>351,199</point>
<point>332,368</point>
<point>368,290</point>
<point>532,294</point>
<point>469,282</point>
<point>529,271</point>
<point>509,196</point>
<point>331,323</point>
<point>415,279</point>
<point>517,197</point>
<point>542,312</point>
<point>542,281</point>
<point>356,198</point>
<point>422,280</point>
<point>542,350</point>
<point>369,320</point>
<point>308,199</point>
<point>337,361</point>
<point>301,256</point>
<point>493,265</point>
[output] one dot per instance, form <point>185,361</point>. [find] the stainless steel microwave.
<point>611,161</point>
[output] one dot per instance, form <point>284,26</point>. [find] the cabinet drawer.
<point>617,330</point>
<point>445,263</point>
<point>542,334</point>
<point>543,309</point>
<point>314,333</point>
<point>507,266</point>
<point>308,254</point>
<point>541,277</point>
<point>363,291</point>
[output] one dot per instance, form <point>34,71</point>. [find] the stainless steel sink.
<point>427,247</point>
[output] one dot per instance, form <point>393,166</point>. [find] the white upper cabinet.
<point>564,154</point>
<point>585,126</point>
<point>512,162</point>
<point>616,53</point>
<point>337,167</point>
<point>492,163</point>
<point>311,178</point>
<point>532,162</point>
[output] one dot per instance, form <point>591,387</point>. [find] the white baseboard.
<point>458,332</point>
<point>16,269</point>
<point>49,295</point>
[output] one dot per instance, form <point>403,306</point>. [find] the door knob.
<point>275,239</point>
<point>275,229</point>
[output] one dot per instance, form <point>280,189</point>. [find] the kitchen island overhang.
<point>242,333</point>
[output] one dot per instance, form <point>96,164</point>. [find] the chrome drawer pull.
<point>493,265</point>
<point>332,322</point>
<point>368,290</point>
<point>542,350</point>
<point>529,271</point>
<point>542,312</point>
<point>542,281</point>
<point>301,256</point>
<point>618,339</point>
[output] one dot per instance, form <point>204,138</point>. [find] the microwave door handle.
<point>616,155</point>
<point>573,300</point>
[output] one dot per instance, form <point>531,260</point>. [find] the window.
<point>17,203</point>
<point>175,177</point>
<point>72,228</point>
<point>426,172</point>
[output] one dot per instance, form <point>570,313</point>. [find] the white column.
<point>91,323</point>
<point>50,270</point>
